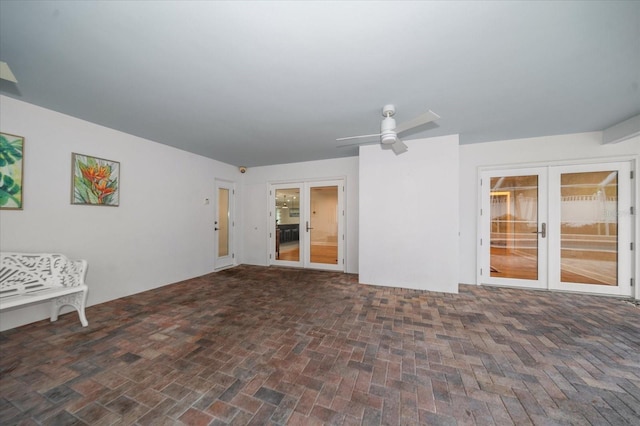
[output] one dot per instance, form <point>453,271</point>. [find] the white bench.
<point>27,278</point>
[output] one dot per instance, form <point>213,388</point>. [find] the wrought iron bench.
<point>27,278</point>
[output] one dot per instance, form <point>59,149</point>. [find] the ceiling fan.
<point>389,131</point>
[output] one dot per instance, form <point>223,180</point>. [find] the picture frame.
<point>11,171</point>
<point>94,181</point>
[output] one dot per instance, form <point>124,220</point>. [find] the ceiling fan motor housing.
<point>387,131</point>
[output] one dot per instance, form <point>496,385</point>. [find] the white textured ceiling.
<point>257,83</point>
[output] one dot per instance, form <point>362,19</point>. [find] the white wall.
<point>550,149</point>
<point>255,203</point>
<point>161,233</point>
<point>409,215</point>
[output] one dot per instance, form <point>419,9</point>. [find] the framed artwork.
<point>11,171</point>
<point>94,181</point>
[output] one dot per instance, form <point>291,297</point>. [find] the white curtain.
<point>580,210</point>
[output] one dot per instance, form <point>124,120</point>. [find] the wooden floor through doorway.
<point>319,253</point>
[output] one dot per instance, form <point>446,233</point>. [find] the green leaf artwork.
<point>11,169</point>
<point>95,181</point>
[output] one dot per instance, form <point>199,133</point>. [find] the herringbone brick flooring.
<point>256,345</point>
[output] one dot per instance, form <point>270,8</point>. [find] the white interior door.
<point>307,225</point>
<point>224,224</point>
<point>558,227</point>
<point>513,239</point>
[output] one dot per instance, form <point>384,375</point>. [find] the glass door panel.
<point>513,251</point>
<point>589,227</point>
<point>514,225</point>
<point>224,225</point>
<point>323,225</point>
<point>223,222</point>
<point>287,225</point>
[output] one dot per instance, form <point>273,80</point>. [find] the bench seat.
<point>28,278</point>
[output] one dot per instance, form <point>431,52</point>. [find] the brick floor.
<point>256,345</point>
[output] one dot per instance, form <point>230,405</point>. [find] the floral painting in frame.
<point>95,181</point>
<point>11,171</point>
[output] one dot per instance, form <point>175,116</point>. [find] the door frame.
<point>633,234</point>
<point>229,260</point>
<point>341,265</point>
<point>304,260</point>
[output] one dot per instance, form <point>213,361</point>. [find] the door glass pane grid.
<point>514,227</point>
<point>287,239</point>
<point>589,228</point>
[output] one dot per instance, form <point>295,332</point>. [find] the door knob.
<point>308,226</point>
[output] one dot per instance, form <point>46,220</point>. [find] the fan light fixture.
<point>388,139</point>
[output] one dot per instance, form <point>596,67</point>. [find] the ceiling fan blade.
<point>357,144</point>
<point>425,118</point>
<point>5,72</point>
<point>399,147</point>
<point>357,137</point>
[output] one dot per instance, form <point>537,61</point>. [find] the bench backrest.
<point>20,272</point>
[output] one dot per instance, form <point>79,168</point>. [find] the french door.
<point>514,228</point>
<point>224,224</point>
<point>307,225</point>
<point>557,227</point>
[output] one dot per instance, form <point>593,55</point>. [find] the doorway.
<point>557,227</point>
<point>224,224</point>
<point>307,225</point>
